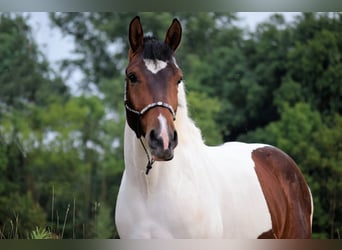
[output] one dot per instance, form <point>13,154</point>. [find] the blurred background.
<point>256,77</point>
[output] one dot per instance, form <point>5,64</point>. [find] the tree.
<point>57,152</point>
<point>23,82</point>
<point>315,146</point>
<point>321,80</point>
<point>25,88</point>
<point>206,109</point>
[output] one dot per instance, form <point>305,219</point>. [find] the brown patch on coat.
<point>286,193</point>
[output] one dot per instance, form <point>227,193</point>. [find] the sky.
<point>56,46</point>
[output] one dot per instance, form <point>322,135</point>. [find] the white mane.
<point>184,122</point>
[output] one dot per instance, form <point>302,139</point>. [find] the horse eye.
<point>180,80</point>
<point>132,77</point>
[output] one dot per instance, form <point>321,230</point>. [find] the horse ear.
<point>136,34</point>
<point>174,35</point>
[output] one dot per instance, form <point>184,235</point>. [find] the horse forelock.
<point>155,49</point>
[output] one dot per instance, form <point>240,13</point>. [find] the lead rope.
<point>149,161</point>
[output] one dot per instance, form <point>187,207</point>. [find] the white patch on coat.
<point>154,65</point>
<point>163,131</point>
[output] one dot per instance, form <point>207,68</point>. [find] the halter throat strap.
<point>149,160</point>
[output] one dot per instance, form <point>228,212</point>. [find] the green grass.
<point>41,234</point>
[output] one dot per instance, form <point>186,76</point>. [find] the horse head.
<point>151,94</point>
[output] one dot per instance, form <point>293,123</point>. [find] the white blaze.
<point>163,131</point>
<point>154,65</point>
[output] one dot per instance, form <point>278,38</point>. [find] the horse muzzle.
<point>162,144</point>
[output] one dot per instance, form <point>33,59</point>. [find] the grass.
<point>101,225</point>
<point>10,230</point>
<point>13,232</point>
<point>41,234</point>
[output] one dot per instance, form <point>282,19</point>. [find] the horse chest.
<point>175,211</point>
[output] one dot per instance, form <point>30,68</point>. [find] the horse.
<point>175,186</point>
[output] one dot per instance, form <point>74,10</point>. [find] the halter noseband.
<point>138,114</point>
<point>150,106</point>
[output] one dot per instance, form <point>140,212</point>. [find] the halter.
<point>136,115</point>
<point>150,106</point>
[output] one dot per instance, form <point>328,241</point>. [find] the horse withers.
<point>174,186</point>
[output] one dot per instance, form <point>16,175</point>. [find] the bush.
<point>20,215</point>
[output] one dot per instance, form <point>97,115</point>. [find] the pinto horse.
<point>235,190</point>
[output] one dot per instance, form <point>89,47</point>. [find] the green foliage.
<point>289,93</point>
<point>40,234</point>
<point>316,147</point>
<point>205,110</point>
<point>321,80</point>
<point>104,226</point>
<point>51,141</point>
<point>23,82</point>
<point>19,215</point>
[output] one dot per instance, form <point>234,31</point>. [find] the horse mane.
<point>155,49</point>
<point>185,123</point>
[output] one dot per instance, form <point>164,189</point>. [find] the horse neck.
<point>186,129</point>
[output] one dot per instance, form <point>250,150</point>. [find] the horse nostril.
<point>157,141</point>
<point>154,141</point>
<point>175,139</point>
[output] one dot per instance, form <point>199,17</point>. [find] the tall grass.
<point>13,232</point>
<point>100,226</point>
